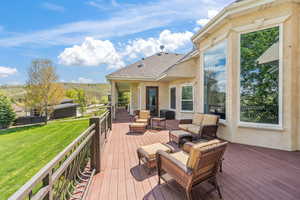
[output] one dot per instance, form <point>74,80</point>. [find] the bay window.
<point>259,76</point>
<point>215,80</point>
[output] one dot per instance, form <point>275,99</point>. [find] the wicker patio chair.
<point>143,117</point>
<point>189,169</point>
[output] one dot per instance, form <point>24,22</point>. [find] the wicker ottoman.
<point>147,154</point>
<point>179,136</point>
<point>137,127</point>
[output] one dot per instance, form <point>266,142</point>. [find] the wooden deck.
<point>248,172</point>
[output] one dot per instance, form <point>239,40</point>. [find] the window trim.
<point>140,97</point>
<point>240,123</point>
<point>170,87</point>
<point>193,99</point>
<point>224,121</point>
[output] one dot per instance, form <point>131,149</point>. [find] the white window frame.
<point>173,86</point>
<point>278,126</point>
<point>220,40</point>
<point>193,99</point>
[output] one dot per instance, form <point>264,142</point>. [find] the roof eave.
<point>232,9</point>
<point>122,78</point>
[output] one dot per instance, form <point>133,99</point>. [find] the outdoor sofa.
<point>203,127</point>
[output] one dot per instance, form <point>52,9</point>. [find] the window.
<point>187,103</point>
<point>259,77</point>
<point>173,98</point>
<point>215,80</point>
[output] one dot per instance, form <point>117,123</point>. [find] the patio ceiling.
<point>123,86</point>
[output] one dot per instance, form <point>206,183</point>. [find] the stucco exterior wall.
<point>288,137</point>
<point>162,93</point>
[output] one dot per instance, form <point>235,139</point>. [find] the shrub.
<point>7,114</point>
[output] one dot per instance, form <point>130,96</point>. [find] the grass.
<point>24,151</point>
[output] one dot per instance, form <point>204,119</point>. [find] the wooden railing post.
<point>95,147</point>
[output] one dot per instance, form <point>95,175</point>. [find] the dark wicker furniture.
<point>147,154</point>
<point>203,127</point>
<point>143,117</point>
<point>200,165</point>
<point>137,127</point>
<point>158,123</point>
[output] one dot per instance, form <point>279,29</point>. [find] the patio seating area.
<point>248,172</point>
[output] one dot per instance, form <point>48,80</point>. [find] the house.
<point>67,108</point>
<point>245,67</point>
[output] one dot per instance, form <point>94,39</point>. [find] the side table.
<point>158,123</point>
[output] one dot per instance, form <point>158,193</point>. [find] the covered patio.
<point>248,172</point>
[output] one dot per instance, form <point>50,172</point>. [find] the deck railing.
<point>69,174</point>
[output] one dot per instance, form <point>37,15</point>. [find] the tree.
<point>42,91</point>
<point>80,97</point>
<point>81,100</point>
<point>7,114</point>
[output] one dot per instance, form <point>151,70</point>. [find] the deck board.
<point>248,172</point>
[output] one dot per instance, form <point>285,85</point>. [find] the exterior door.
<point>152,100</point>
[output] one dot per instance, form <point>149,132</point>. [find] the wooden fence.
<point>69,174</point>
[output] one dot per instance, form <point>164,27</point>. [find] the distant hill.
<point>97,90</point>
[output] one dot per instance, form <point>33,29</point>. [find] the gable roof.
<point>148,68</point>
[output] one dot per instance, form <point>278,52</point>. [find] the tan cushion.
<point>142,121</point>
<point>195,153</point>
<point>183,126</point>
<point>140,125</point>
<point>197,119</point>
<point>193,128</point>
<point>209,120</point>
<point>153,148</point>
<point>181,156</point>
<point>144,114</point>
<point>205,144</point>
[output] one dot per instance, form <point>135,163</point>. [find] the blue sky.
<point>86,39</point>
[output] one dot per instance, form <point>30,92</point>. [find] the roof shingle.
<point>150,67</point>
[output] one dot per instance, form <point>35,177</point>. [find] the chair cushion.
<point>142,121</point>
<point>195,153</point>
<point>181,156</point>
<point>144,114</point>
<point>153,148</point>
<point>210,120</point>
<point>197,119</point>
<point>183,126</point>
<point>194,128</point>
<point>138,125</point>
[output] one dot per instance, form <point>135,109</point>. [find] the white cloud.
<point>212,13</point>
<point>147,47</point>
<point>91,53</point>
<point>203,21</point>
<point>7,71</point>
<point>94,52</point>
<point>53,7</point>
<point>82,80</point>
<point>139,17</point>
<point>104,6</point>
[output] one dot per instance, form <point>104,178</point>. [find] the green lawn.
<point>24,151</point>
